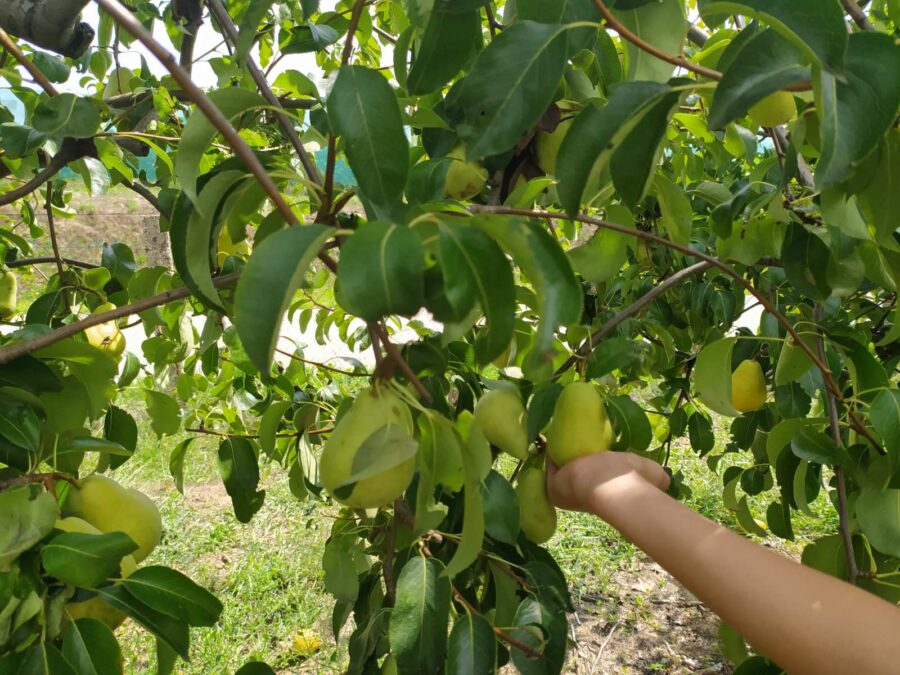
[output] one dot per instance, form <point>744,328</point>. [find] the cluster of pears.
<point>579,427</point>
<point>9,294</point>
<point>373,410</point>
<point>748,387</point>
<point>100,505</point>
<point>106,336</point>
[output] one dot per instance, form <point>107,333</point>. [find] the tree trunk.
<point>51,24</point>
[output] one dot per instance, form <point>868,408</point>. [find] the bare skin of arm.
<point>803,620</point>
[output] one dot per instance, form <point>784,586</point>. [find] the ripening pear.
<point>374,408</point>
<point>96,607</point>
<point>748,387</point>
<point>537,516</point>
<point>501,417</point>
<point>548,145</point>
<point>111,507</point>
<point>579,426</point>
<point>106,336</point>
<point>226,247</point>
<point>464,179</point>
<point>774,110</point>
<point>793,362</point>
<point>9,294</point>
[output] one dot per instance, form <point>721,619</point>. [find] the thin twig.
<point>225,434</point>
<point>148,196</point>
<point>499,632</point>
<point>28,262</point>
<point>14,351</point>
<point>323,366</point>
<point>387,561</point>
<point>68,152</point>
<point>394,353</point>
<point>603,646</point>
<point>9,45</point>
<point>31,478</point>
<point>51,226</point>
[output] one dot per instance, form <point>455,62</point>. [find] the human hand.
<point>584,484</point>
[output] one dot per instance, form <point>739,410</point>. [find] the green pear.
<point>96,607</point>
<point>106,336</point>
<point>548,144</point>
<point>111,507</point>
<point>774,110</point>
<point>579,426</point>
<point>793,362</point>
<point>373,409</point>
<point>501,417</point>
<point>537,516</point>
<point>9,294</point>
<point>227,247</point>
<point>464,179</point>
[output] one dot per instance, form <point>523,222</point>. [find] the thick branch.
<point>129,100</point>
<point>14,351</point>
<point>51,24</point>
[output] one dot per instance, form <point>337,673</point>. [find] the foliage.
<point>535,282</point>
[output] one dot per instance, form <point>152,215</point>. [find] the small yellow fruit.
<point>226,247</point>
<point>537,516</point>
<point>110,507</point>
<point>106,336</point>
<point>96,607</point>
<point>748,387</point>
<point>306,643</point>
<point>579,426</point>
<point>501,417</point>
<point>548,144</point>
<point>372,410</point>
<point>9,294</point>
<point>774,110</point>
<point>464,179</point>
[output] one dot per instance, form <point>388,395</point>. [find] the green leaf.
<point>439,461</point>
<point>747,521</point>
<point>199,133</point>
<point>309,38</point>
<point>55,68</point>
<point>363,110</point>
<point>256,667</point>
<point>170,592</point>
<point>472,649</point>
<point>878,513</point>
<point>884,415</point>
<point>476,454</point>
<point>173,633</point>
<point>805,258</point>
<point>858,108</point>
<point>66,115</point>
<point>449,41</point>
<point>419,619</point>
<point>542,626</point>
<point>630,424</point>
<point>603,256</point>
<point>27,515</point>
<point>765,64</point>
<point>611,354</point>
<point>176,463</point>
<point>598,132</point>
<point>90,646</point>
<point>783,432</point>
<point>248,27</point>
<point>564,12</point>
<point>269,423</point>
<point>120,428</point>
<point>339,562</point>
<point>677,214</point>
<point>86,560</point>
<point>815,26</point>
<point>545,264</point>
<point>381,272</point>
<point>164,412</point>
<point>19,424</point>
<point>814,446</point>
<point>712,376</point>
<point>661,24</point>
<point>385,448</point>
<point>501,514</point>
<point>475,269</point>
<point>510,87</point>
<point>275,271</point>
<point>700,432</point>
<point>240,473</point>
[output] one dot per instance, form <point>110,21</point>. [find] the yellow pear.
<point>96,607</point>
<point>774,110</point>
<point>226,247</point>
<point>106,336</point>
<point>110,507</point>
<point>373,409</point>
<point>548,144</point>
<point>537,516</point>
<point>501,417</point>
<point>9,294</point>
<point>579,426</point>
<point>464,179</point>
<point>748,387</point>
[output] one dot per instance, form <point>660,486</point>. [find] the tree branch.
<point>857,14</point>
<point>323,366</point>
<point>11,352</point>
<point>35,72</point>
<point>499,632</point>
<point>27,262</point>
<point>394,353</point>
<point>69,152</point>
<point>51,226</point>
<point>51,24</point>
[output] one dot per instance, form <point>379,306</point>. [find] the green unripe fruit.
<point>537,516</point>
<point>371,411</point>
<point>9,294</point>
<point>226,247</point>
<point>748,387</point>
<point>464,179</point>
<point>501,417</point>
<point>106,336</point>
<point>792,364</point>
<point>110,507</point>
<point>548,144</point>
<point>579,426</point>
<point>774,110</point>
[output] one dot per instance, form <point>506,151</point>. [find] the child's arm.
<point>805,621</point>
